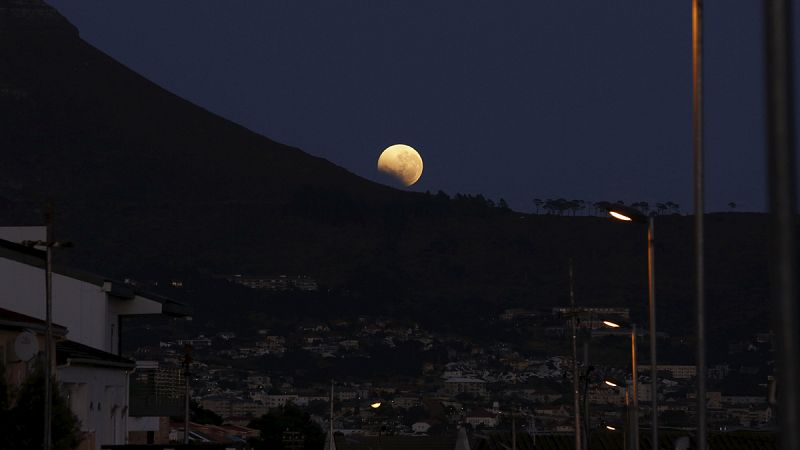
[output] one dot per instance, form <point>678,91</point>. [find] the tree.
<point>23,427</point>
<point>644,207</point>
<point>601,206</point>
<point>538,203</point>
<point>674,208</point>
<point>203,416</point>
<point>732,205</point>
<point>414,415</point>
<point>503,205</point>
<point>273,424</point>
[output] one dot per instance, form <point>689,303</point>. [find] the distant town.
<point>461,383</point>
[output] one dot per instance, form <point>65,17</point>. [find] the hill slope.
<point>149,185</point>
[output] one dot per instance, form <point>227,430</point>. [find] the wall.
<point>80,306</point>
<point>98,396</point>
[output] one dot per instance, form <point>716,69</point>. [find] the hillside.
<point>150,186</point>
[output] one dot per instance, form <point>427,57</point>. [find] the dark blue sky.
<point>582,99</point>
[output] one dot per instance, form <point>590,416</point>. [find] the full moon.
<point>401,162</point>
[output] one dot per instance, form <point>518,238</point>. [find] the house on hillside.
<point>463,385</point>
<point>482,418</point>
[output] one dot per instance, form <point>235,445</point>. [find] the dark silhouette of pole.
<point>187,361</point>
<point>699,211</point>
<point>651,295</point>
<point>49,244</point>
<point>48,335</point>
<point>513,431</point>
<point>575,374</point>
<point>586,370</point>
<point>782,204</point>
<point>635,380</point>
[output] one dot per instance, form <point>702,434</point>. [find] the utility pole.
<point>48,244</point>
<point>635,380</point>
<point>576,387</point>
<point>781,151</point>
<point>331,444</point>
<point>187,361</point>
<point>513,430</point>
<point>699,239</point>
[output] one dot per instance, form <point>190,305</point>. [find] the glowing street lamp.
<point>375,405</point>
<point>633,412</point>
<point>620,216</point>
<point>628,214</point>
<point>610,428</point>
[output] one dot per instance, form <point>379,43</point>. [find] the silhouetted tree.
<point>272,425</point>
<point>548,206</point>
<point>538,203</point>
<point>601,207</point>
<point>673,207</point>
<point>22,425</point>
<point>660,207</point>
<point>644,207</point>
<point>574,206</point>
<point>203,416</point>
<point>732,205</point>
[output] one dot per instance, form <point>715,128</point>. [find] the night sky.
<point>525,99</point>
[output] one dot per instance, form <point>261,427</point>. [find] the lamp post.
<point>627,435</point>
<point>626,214</point>
<point>375,406</point>
<point>634,413</point>
<point>49,244</point>
<point>781,119</point>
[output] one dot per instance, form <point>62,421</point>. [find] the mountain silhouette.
<point>149,185</point>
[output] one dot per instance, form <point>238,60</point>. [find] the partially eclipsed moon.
<point>401,162</point>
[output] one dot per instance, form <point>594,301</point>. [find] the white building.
<point>482,418</point>
<point>420,427</point>
<point>472,386</point>
<point>93,309</point>
<point>279,400</point>
<point>96,385</point>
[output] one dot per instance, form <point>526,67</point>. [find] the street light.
<point>627,214</point>
<point>630,417</point>
<point>633,413</point>
<point>375,406</point>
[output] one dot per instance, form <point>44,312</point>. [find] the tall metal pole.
<point>48,335</point>
<point>628,428</point>
<point>782,185</point>
<point>635,380</point>
<point>699,211</point>
<point>586,432</point>
<point>513,431</point>
<point>651,287</point>
<point>187,360</point>
<point>331,445</point>
<point>575,373</point>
